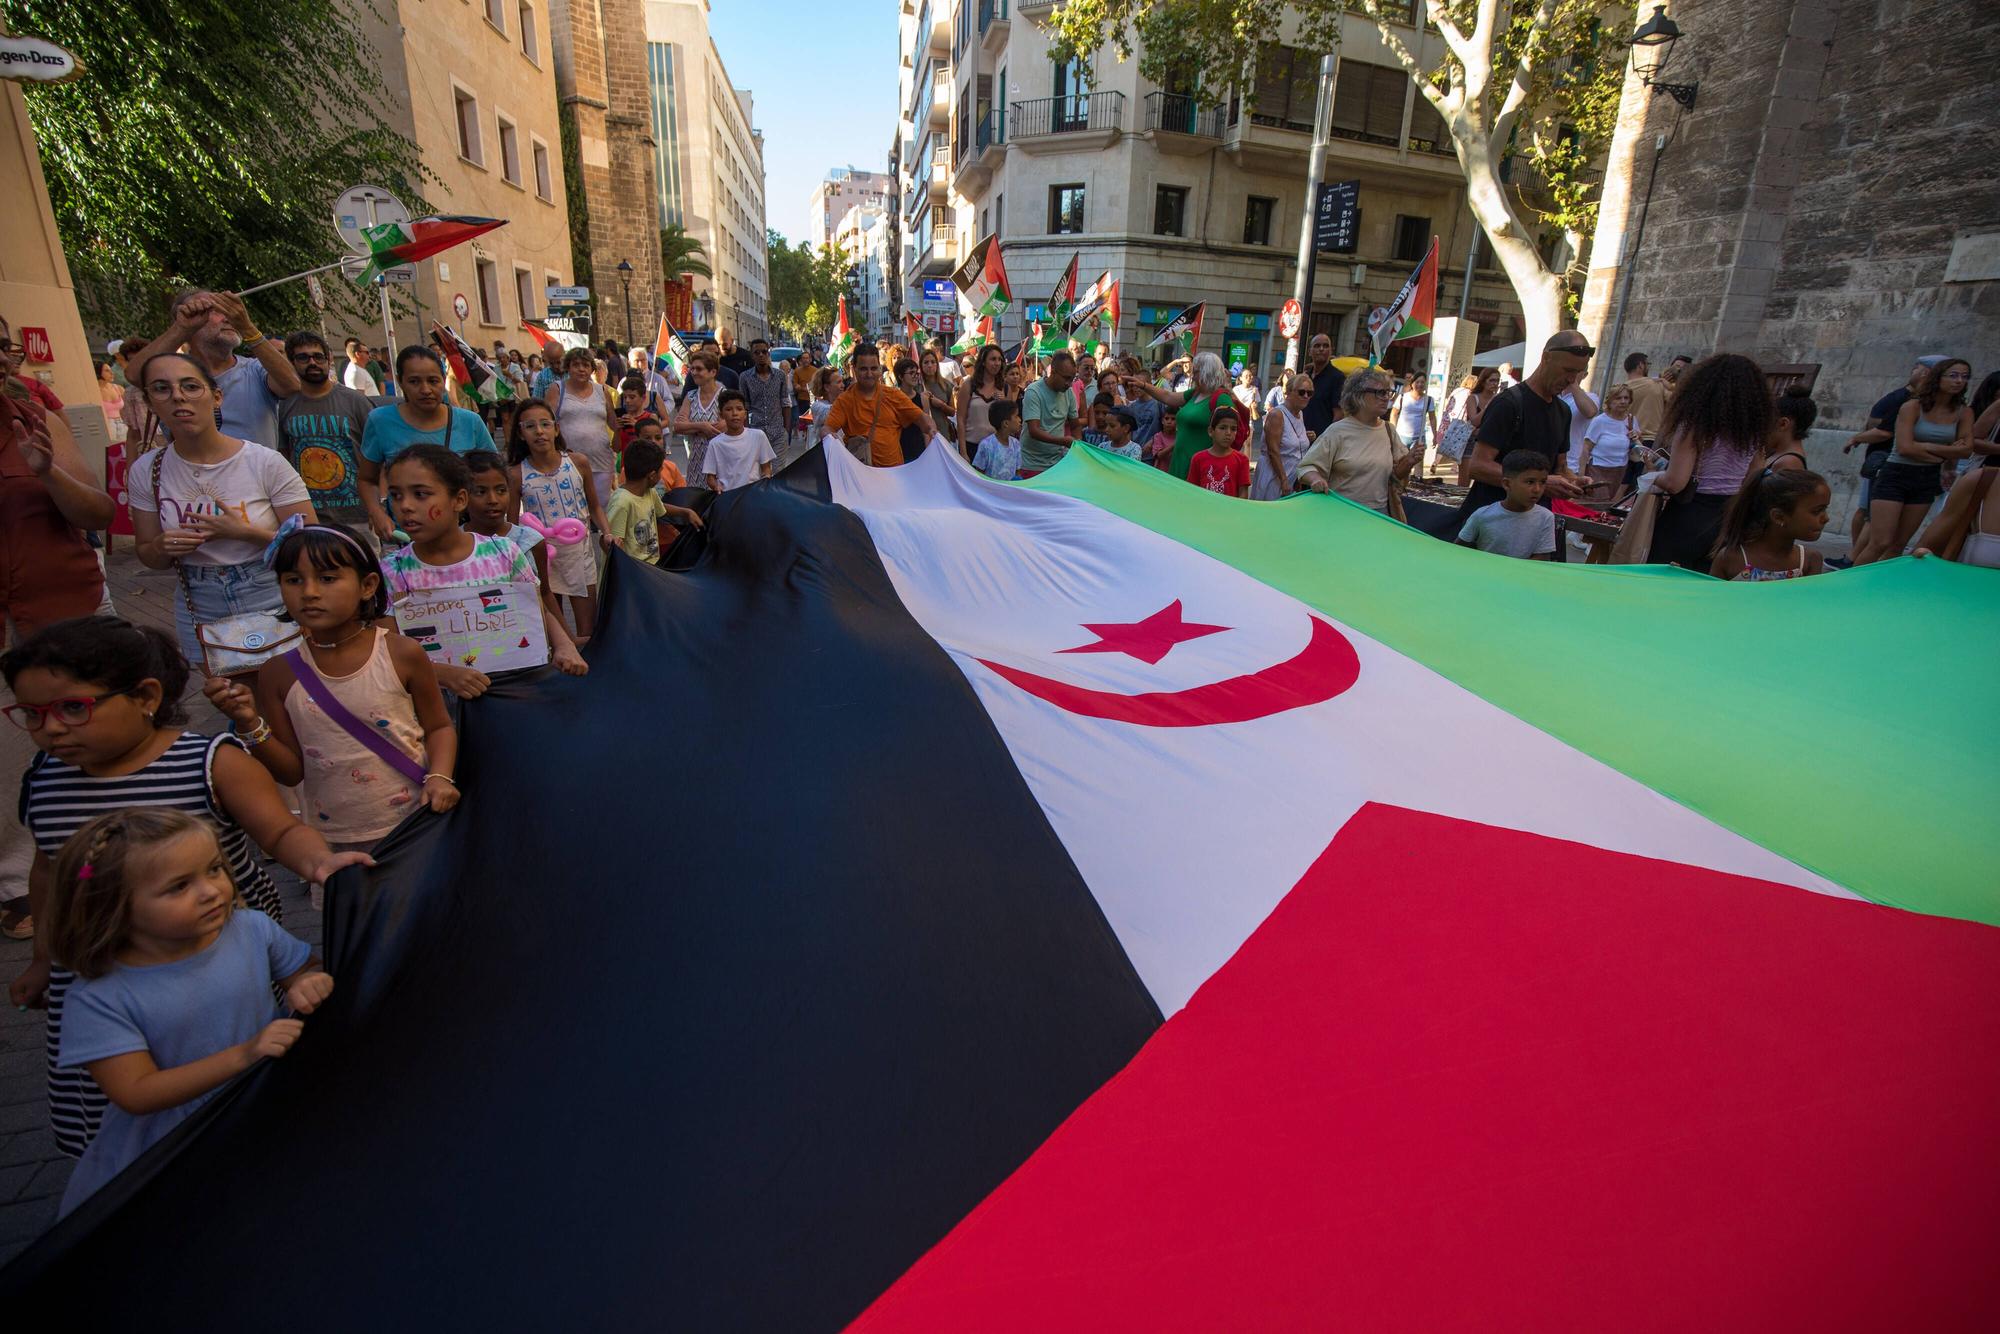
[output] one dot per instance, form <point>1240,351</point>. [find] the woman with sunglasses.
<point>1359,456</point>
<point>100,699</point>
<point>1285,440</point>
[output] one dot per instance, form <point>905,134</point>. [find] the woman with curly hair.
<point>1933,428</point>
<point>1717,424</point>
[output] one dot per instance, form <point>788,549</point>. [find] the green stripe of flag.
<point>1845,722</point>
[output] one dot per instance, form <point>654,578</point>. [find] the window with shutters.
<point>1368,103</point>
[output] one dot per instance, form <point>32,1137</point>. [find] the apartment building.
<point>710,165</point>
<point>845,188</point>
<point>472,84</point>
<point>1184,194</point>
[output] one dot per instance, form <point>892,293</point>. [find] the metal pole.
<point>628,311</point>
<point>1302,287</point>
<point>1471,254</point>
<point>1625,262</point>
<point>382,291</point>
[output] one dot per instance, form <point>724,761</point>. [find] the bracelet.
<point>446,777</point>
<point>257,735</point>
<point>251,344</point>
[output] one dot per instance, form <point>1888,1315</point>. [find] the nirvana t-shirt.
<point>322,438</point>
<point>1519,418</point>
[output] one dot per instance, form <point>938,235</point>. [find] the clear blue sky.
<point>824,76</point>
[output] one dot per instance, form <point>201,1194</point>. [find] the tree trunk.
<point>1539,291</point>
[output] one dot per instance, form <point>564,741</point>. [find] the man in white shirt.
<point>355,374</point>
<point>740,455</point>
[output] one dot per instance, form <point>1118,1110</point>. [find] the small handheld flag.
<point>982,280</point>
<point>670,351</point>
<point>841,345</point>
<point>1063,299</point>
<point>1413,311</point>
<point>1183,329</point>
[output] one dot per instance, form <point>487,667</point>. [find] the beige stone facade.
<point>472,84</point>
<point>1183,198</point>
<point>1829,199</point>
<point>710,164</point>
<point>600,59</point>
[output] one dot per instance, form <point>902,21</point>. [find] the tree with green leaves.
<point>204,145</point>
<point>681,253</point>
<point>806,284</point>
<point>1537,81</point>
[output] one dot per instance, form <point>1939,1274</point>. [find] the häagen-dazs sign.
<point>36,60</point>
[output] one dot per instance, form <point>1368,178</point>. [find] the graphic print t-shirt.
<point>322,437</point>
<point>1229,474</point>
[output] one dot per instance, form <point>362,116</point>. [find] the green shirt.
<point>1053,410</point>
<point>635,522</point>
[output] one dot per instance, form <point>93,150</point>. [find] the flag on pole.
<point>982,280</point>
<point>1413,311</point>
<point>841,345</point>
<point>914,327</point>
<point>670,352</point>
<point>1090,304</point>
<point>1111,314</point>
<point>1063,299</point>
<point>1184,329</point>
<point>474,374</point>
<point>973,333</point>
<point>394,243</point>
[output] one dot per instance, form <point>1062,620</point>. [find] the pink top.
<point>351,794</point>
<point>1721,467</point>
<point>494,560</point>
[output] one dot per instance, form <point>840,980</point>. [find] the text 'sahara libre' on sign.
<point>488,627</point>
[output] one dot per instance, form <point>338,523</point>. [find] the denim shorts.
<point>220,591</point>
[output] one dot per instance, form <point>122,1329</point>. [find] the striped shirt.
<point>57,799</point>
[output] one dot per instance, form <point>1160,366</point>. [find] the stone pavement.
<point>32,1171</point>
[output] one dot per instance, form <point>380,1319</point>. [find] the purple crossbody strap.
<point>309,681</point>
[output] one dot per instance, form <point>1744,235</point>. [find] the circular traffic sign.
<point>460,306</point>
<point>361,207</point>
<point>1290,318</point>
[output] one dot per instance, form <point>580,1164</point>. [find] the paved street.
<point>32,1172</point>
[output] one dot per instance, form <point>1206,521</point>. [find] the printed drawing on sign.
<point>491,627</point>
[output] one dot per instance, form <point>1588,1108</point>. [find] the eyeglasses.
<point>1384,392</point>
<point>309,357</point>
<point>72,712</point>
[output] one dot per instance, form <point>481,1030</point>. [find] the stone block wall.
<point>1807,208</point>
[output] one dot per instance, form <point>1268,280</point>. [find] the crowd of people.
<point>299,495</point>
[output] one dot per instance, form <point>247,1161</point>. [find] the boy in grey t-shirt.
<point>1516,525</point>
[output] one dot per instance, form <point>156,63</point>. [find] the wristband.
<point>446,777</point>
<point>251,344</point>
<point>257,735</point>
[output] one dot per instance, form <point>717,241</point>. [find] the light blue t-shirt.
<point>249,410</point>
<point>998,459</point>
<point>543,379</point>
<point>180,1012</point>
<point>388,435</point>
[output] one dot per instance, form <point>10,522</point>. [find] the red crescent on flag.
<point>1325,667</point>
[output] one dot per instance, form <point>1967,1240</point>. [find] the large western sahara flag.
<point>1511,926</point>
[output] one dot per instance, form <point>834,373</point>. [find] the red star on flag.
<point>1148,640</point>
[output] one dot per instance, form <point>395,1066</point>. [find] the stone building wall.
<point>1829,199</point>
<point>600,58</point>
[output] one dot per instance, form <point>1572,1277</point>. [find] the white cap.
<point>111,348</point>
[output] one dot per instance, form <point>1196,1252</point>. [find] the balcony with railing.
<point>992,24</point>
<point>940,108</point>
<point>1180,124</point>
<point>940,248</point>
<point>982,156</point>
<point>1079,121</point>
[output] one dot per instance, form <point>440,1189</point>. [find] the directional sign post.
<point>359,208</point>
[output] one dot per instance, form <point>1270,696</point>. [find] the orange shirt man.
<point>873,410</point>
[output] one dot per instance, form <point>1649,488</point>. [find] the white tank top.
<point>580,417</point>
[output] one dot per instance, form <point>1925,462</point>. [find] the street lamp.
<point>625,277</point>
<point>1655,40</point>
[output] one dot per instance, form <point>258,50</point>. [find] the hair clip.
<point>85,871</point>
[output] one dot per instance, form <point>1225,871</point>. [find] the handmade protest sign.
<point>493,627</point>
